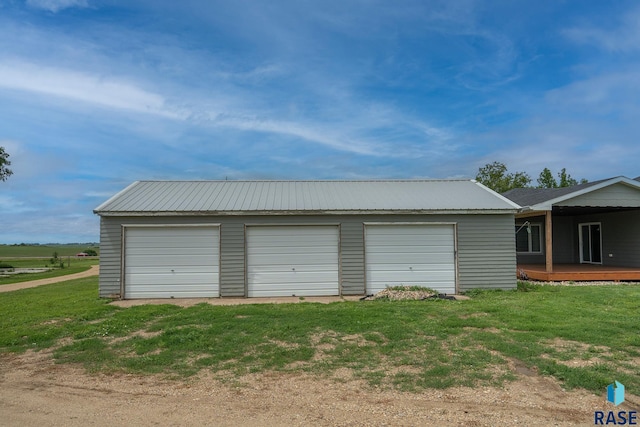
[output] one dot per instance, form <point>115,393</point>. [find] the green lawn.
<point>63,250</point>
<point>71,265</point>
<point>584,336</point>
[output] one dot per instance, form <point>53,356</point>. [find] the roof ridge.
<point>313,180</point>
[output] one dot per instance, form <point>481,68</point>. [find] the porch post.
<point>548,242</point>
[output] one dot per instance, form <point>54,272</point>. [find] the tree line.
<point>497,177</point>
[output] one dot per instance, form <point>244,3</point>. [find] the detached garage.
<point>181,239</point>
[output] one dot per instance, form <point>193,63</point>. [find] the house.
<point>585,232</point>
<point>166,239</point>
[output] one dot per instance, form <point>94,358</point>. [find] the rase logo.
<point>615,395</point>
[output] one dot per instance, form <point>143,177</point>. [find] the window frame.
<point>523,229</point>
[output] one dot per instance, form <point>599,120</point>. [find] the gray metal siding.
<point>485,247</point>
<point>486,252</point>
<point>352,257</point>
<point>232,260</point>
<point>110,257</point>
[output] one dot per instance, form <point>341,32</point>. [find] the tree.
<point>5,172</point>
<point>546,179</point>
<point>567,181</point>
<point>494,175</point>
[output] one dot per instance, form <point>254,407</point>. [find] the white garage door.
<point>422,255</point>
<point>292,260</point>
<point>171,262</point>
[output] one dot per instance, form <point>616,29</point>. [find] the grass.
<point>41,251</point>
<point>584,336</point>
<point>72,265</point>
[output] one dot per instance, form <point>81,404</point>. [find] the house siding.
<point>485,247</point>
<point>526,258</point>
<point>615,195</point>
<point>620,237</point>
<point>565,241</point>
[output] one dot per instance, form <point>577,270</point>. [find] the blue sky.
<point>95,94</point>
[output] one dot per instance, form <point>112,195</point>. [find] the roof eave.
<point>498,195</point>
<point>115,196</point>
<point>309,212</point>
<point>548,205</point>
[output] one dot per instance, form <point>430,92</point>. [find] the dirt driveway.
<point>93,271</point>
<point>36,391</point>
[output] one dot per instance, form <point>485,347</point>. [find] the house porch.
<point>580,272</point>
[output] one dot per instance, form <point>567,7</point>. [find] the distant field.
<point>17,251</point>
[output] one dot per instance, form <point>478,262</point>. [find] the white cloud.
<point>80,86</point>
<point>624,37</point>
<point>601,95</point>
<point>13,205</point>
<point>57,5</point>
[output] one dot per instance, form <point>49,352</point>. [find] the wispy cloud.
<point>620,37</point>
<point>56,5</point>
<point>80,86</point>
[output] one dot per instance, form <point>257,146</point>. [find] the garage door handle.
<point>173,271</point>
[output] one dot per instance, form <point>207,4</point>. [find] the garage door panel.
<point>143,291</point>
<point>291,246</point>
<point>292,260</point>
<point>295,277</point>
<point>422,255</point>
<point>183,281</point>
<point>410,259</point>
<point>171,262</point>
<point>182,271</point>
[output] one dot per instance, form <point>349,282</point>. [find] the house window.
<point>529,238</point>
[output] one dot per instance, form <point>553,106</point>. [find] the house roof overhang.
<point>558,203</point>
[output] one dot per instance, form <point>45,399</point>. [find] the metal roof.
<point>233,197</point>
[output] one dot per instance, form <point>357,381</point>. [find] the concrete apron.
<point>188,302</point>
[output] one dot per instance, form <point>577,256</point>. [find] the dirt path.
<point>36,391</point>
<point>93,271</point>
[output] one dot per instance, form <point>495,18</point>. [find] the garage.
<point>410,254</point>
<point>292,260</point>
<point>241,239</point>
<point>171,262</point>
